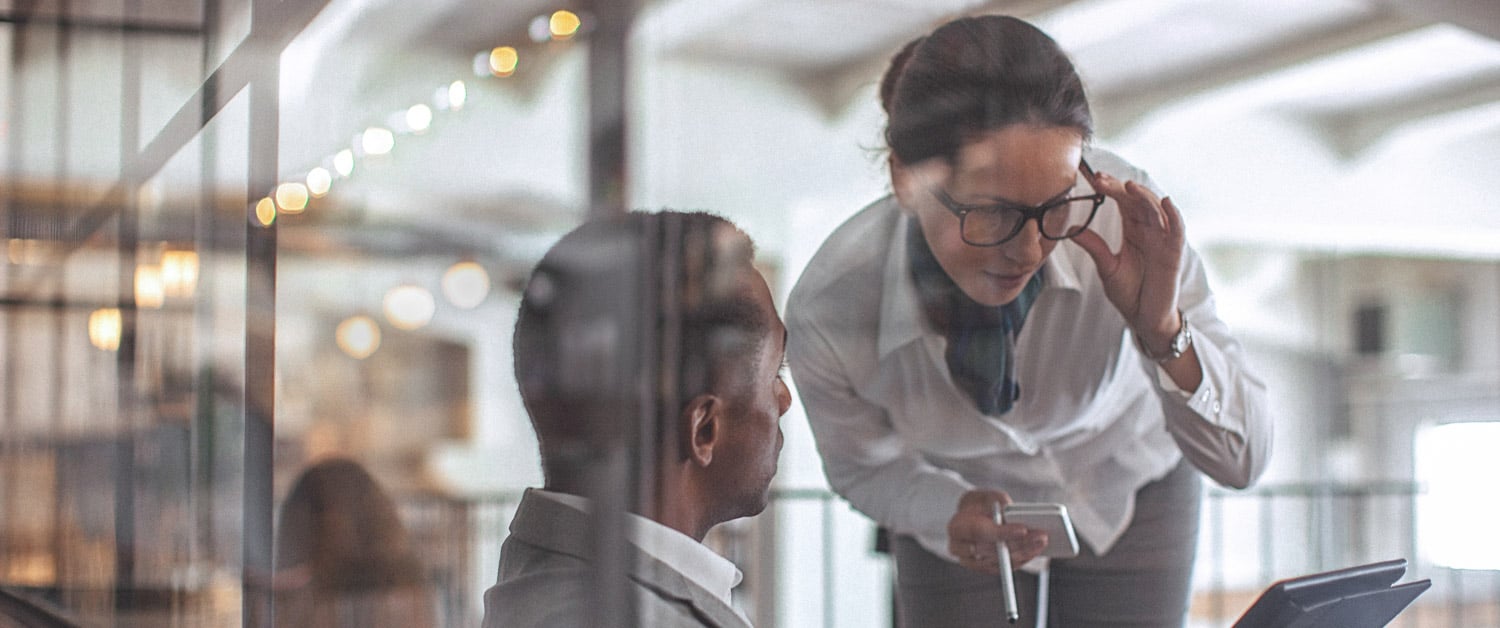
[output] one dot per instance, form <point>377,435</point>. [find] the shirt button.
<point>1216,406</point>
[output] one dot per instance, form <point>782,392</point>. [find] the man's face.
<point>757,400</point>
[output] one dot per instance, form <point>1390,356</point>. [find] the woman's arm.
<point>1215,409</point>
<point>1223,425</point>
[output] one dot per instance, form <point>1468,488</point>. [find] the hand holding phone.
<point>1050,518</point>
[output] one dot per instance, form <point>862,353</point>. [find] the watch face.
<point>1183,340</point>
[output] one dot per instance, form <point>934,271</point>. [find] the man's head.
<point>662,314</point>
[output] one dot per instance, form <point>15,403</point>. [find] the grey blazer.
<point>545,572</point>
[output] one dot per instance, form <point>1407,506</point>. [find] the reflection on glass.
<point>409,307</point>
<point>358,336</point>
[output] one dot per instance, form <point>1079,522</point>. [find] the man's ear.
<point>703,425</point>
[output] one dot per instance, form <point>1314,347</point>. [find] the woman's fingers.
<point>1139,206</point>
<point>973,534</point>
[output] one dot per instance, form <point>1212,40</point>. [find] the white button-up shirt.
<point>694,560</point>
<point>1096,420</point>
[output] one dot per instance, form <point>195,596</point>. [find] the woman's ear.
<point>703,426</point>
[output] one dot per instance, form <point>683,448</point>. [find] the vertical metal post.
<point>60,141</point>
<point>126,403</point>
<point>617,478</point>
<point>608,79</point>
<point>260,330</point>
<point>10,223</point>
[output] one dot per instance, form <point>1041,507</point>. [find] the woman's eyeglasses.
<point>996,224</point>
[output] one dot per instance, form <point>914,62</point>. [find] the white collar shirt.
<point>694,560</point>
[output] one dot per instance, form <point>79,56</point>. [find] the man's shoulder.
<point>552,595</point>
<point>560,593</point>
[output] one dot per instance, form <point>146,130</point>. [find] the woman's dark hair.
<point>893,72</point>
<point>977,74</point>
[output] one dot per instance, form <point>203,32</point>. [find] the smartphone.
<point>1050,518</point>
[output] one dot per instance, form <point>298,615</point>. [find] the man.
<point>579,351</point>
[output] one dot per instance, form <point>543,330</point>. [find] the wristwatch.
<point>1180,343</point>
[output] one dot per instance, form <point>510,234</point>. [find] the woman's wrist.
<point>1167,341</point>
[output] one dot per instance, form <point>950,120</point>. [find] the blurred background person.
<point>343,557</point>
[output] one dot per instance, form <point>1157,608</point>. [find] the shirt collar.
<point>694,560</point>
<point>901,317</point>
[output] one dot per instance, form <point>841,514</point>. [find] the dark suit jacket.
<point>545,578</point>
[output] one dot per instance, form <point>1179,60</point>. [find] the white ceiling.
<point>1351,71</point>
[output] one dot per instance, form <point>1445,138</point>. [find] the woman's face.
<point>1017,164</point>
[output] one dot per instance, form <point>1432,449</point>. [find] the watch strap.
<point>1179,346</point>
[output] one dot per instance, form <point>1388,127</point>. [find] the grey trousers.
<point>1144,580</point>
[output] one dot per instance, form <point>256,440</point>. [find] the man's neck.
<point>674,508</point>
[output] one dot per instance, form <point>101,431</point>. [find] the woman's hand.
<point>1141,279</point>
<point>972,534</point>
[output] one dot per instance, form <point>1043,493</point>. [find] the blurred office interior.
<point>243,236</point>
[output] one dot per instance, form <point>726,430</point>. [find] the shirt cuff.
<point>1205,401</point>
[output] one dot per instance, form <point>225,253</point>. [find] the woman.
<point>1021,321</point>
<point>343,557</point>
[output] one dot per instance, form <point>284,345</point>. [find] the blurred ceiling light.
<point>319,180</point>
<point>179,273</point>
<point>150,292</point>
<point>265,212</point>
<point>409,307</point>
<point>458,94</point>
<point>539,29</point>
<point>466,284</point>
<point>291,198</point>
<point>104,328</point>
<point>503,61</point>
<point>17,251</point>
<point>358,336</point>
<point>418,117</point>
<point>564,24</point>
<point>377,141</point>
<point>343,162</point>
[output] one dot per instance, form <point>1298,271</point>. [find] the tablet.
<point>1357,597</point>
<point>1050,518</point>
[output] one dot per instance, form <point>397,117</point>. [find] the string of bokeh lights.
<point>407,306</point>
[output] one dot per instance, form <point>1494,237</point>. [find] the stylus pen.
<point>1007,579</point>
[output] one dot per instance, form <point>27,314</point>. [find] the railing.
<point>1248,540</point>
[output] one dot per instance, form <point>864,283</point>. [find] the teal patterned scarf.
<point>981,338</point>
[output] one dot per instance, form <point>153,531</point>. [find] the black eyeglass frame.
<point>1027,213</point>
